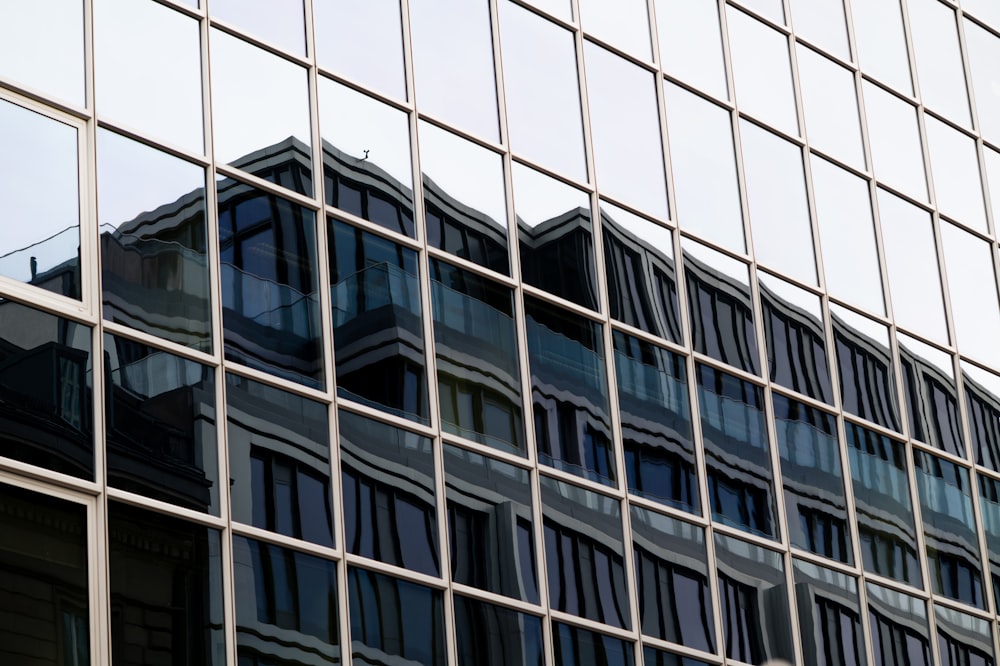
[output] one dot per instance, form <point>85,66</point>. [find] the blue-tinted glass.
<point>574,647</point>
<point>950,532</point>
<point>656,423</point>
<point>654,657</point>
<point>279,460</point>
<point>864,367</point>
<point>740,487</point>
<point>479,381</point>
<point>394,621</point>
<point>270,290</point>
<point>387,477</point>
<point>166,590</point>
<point>569,392</point>
<point>46,416</point>
<point>377,329</point>
<point>882,496</point>
<point>989,503</point>
<point>829,616</point>
<point>161,432</point>
<point>898,628</point>
<point>489,635</point>
<point>812,478</point>
<point>963,639</point>
<point>982,400</point>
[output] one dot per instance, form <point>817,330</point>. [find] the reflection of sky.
<point>41,45</point>
<point>642,230</point>
<point>691,43</point>
<point>972,285</point>
<point>538,197</point>
<point>792,294</point>
<point>39,190</point>
<point>933,357</point>
<point>623,23</point>
<point>721,263</point>
<point>861,325</point>
<point>463,170</point>
<point>372,56</point>
<point>279,21</point>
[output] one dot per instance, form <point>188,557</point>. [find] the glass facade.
<point>499,332</point>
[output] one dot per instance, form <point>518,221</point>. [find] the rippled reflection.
<point>864,364</point>
<point>829,616</point>
<point>982,399</point>
<point>931,395</point>
<point>574,646</point>
<point>989,503</point>
<point>898,628</point>
<point>489,635</point>
<point>963,639</point>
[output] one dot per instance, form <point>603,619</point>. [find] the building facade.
<point>499,332</point>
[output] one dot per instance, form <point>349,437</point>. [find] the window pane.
<point>931,395</point>
<point>573,646</point>
<point>823,23</point>
<point>489,635</point>
<point>339,41</point>
<point>963,639</point>
<point>691,44</point>
<point>281,22</point>
<point>938,58</point>
<point>865,368</point>
<point>955,169</point>
<point>830,101</point>
<point>895,141</point>
<point>41,46</point>
<point>623,24</point>
<point>972,286</point>
<point>898,628</point>
<point>881,43</point>
<point>829,616</point>
<point>984,52</point>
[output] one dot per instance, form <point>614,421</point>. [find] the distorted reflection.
<point>653,657</point>
<point>721,310</point>
<point>984,51</point>
<point>691,44</point>
<point>464,203</point>
<point>40,199</point>
<point>44,590</point>
<point>367,166</point>
<point>154,261</point>
<point>574,646</point>
<point>795,337</point>
<point>931,395</point>
<point>260,113</point>
<point>971,286</point>
<point>881,42</point>
<point>156,561</point>
<point>394,621</point>
<point>339,41</point>
<point>281,22</point>
<point>982,400</point>
<point>955,168</point>
<point>830,104</point>
<point>569,392</point>
<point>641,277</point>
<point>279,461</point>
<point>541,91</point>
<point>950,532</point>
<point>865,369</point>
<point>671,569</point>
<point>489,635</point>
<point>884,513</point>
<point>453,68</point>
<point>584,553</point>
<point>898,628</point>
<point>656,423</point>
<point>161,429</point>
<point>377,330</point>
<point>894,138</point>
<point>479,377</point>
<point>938,59</point>
<point>490,525</point>
<point>286,605</point>
<point>963,639</point>
<point>989,504</point>
<point>762,72</point>
<point>822,22</point>
<point>753,597</point>
<point>46,409</point>
<point>555,237</point>
<point>737,457</point>
<point>41,47</point>
<point>623,24</point>
<point>829,616</point>
<point>387,478</point>
<point>812,479</point>
<point>270,289</point>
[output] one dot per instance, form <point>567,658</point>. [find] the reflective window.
<point>41,47</point>
<point>656,423</point>
<point>584,553</point>
<point>882,498</point>
<point>573,646</point>
<point>898,628</point>
<point>339,41</point>
<point>641,278</point>
<point>464,198</point>
<point>931,395</point>
<point>830,101</point>
<point>989,504</point>
<point>161,434</point>
<point>911,265</point>
<point>40,199</point>
<point>972,287</point>
<point>569,392</point>
<point>44,595</point>
<point>955,170</point>
<point>795,337</point>
<point>159,562</point>
<point>881,43</point>
<point>847,235</point>
<point>286,605</point>
<point>395,621</point>
<point>691,44</point>
<point>453,67</point>
<point>865,368</point>
<point>625,128</point>
<point>490,524</point>
<point>489,635</point>
<point>704,168</point>
<point>985,10</point>
<point>281,22</point>
<point>776,197</point>
<point>479,378</point>
<point>555,237</point>
<point>991,159</point>
<point>675,602</point>
<point>623,24</point>
<point>270,290</point>
<point>983,48</point>
<point>260,112</point>
<point>771,9</point>
<point>812,479</point>
<point>938,59</point>
<point>148,70</point>
<point>762,72</point>
<point>829,616</point>
<point>367,168</point>
<point>279,461</point>
<point>46,408</point>
<point>982,398</point>
<point>823,23</point>
<point>387,479</point>
<point>541,91</point>
<point>154,260</point>
<point>754,602</point>
<point>721,310</point>
<point>653,657</point>
<point>377,330</point>
<point>962,638</point>
<point>894,139</point>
